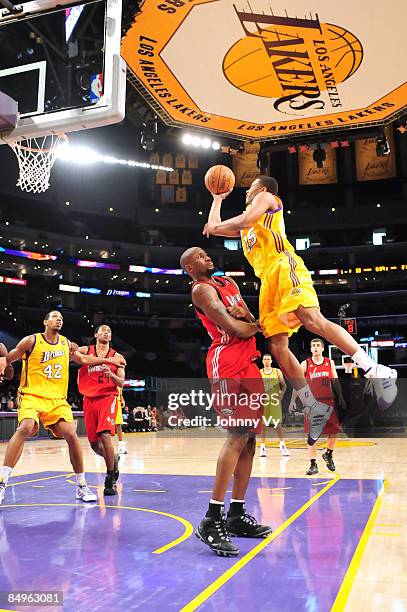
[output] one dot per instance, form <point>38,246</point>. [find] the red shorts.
<point>332,426</point>
<point>99,415</point>
<point>239,401</point>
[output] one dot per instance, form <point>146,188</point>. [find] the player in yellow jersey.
<point>275,387</point>
<point>287,298</point>
<point>119,422</point>
<point>42,395</point>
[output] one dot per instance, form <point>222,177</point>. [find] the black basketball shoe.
<point>313,469</point>
<point>246,526</point>
<point>327,457</point>
<point>213,533</point>
<point>116,466</point>
<point>110,486</point>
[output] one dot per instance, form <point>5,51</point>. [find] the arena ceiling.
<point>269,70</point>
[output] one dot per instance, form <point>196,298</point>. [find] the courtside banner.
<point>310,174</point>
<point>371,167</point>
<point>270,68</point>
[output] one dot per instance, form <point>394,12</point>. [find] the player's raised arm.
<point>262,202</point>
<point>205,299</point>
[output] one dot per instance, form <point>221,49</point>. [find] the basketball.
<point>219,179</point>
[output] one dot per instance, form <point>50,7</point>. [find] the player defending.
<point>323,380</point>
<point>230,368</point>
<point>275,387</point>
<point>99,385</point>
<point>42,395</point>
<point>287,298</point>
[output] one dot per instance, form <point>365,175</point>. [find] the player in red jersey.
<point>99,386</point>
<point>233,374</point>
<point>321,375</point>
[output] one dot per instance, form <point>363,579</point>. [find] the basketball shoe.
<point>327,457</point>
<point>110,485</point>
<point>384,380</point>
<point>246,526</point>
<point>84,493</point>
<point>313,469</point>
<point>262,450</point>
<point>284,450</point>
<point>213,533</point>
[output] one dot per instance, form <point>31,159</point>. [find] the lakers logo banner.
<point>310,174</point>
<point>269,68</point>
<point>371,167</point>
<point>245,166</point>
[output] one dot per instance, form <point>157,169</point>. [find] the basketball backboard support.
<point>60,60</point>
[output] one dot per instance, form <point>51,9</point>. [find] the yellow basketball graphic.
<point>278,61</point>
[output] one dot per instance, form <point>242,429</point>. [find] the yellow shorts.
<point>285,285</point>
<point>50,411</point>
<point>119,414</point>
<point>273,411</point>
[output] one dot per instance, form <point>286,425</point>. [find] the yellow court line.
<point>319,484</point>
<point>236,567</point>
<point>386,534</point>
<point>343,593</point>
<point>387,524</point>
<point>13,484</point>
<point>188,529</point>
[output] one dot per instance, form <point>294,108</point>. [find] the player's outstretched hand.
<point>208,229</point>
<point>118,360</point>
<point>222,196</point>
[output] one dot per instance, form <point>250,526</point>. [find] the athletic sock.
<point>110,473</point>
<point>306,396</point>
<point>313,461</point>
<point>215,509</point>
<point>329,451</point>
<point>5,472</point>
<point>80,479</point>
<point>236,507</point>
<point>362,359</point>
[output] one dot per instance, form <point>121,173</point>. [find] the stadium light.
<point>85,156</point>
<point>196,141</point>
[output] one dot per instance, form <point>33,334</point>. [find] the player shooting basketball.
<point>287,297</point>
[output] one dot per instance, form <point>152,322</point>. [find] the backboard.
<point>60,61</point>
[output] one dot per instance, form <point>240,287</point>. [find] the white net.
<point>36,156</point>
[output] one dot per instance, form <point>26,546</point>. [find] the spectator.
<point>11,407</point>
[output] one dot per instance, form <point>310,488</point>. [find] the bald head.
<point>197,263</point>
<point>187,257</point>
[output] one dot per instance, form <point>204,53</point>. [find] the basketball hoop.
<point>36,157</point>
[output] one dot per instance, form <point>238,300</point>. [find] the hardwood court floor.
<point>339,539</point>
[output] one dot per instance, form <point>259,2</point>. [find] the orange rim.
<point>18,144</point>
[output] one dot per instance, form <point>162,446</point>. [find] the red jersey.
<point>93,381</point>
<point>227,355</point>
<point>319,377</point>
